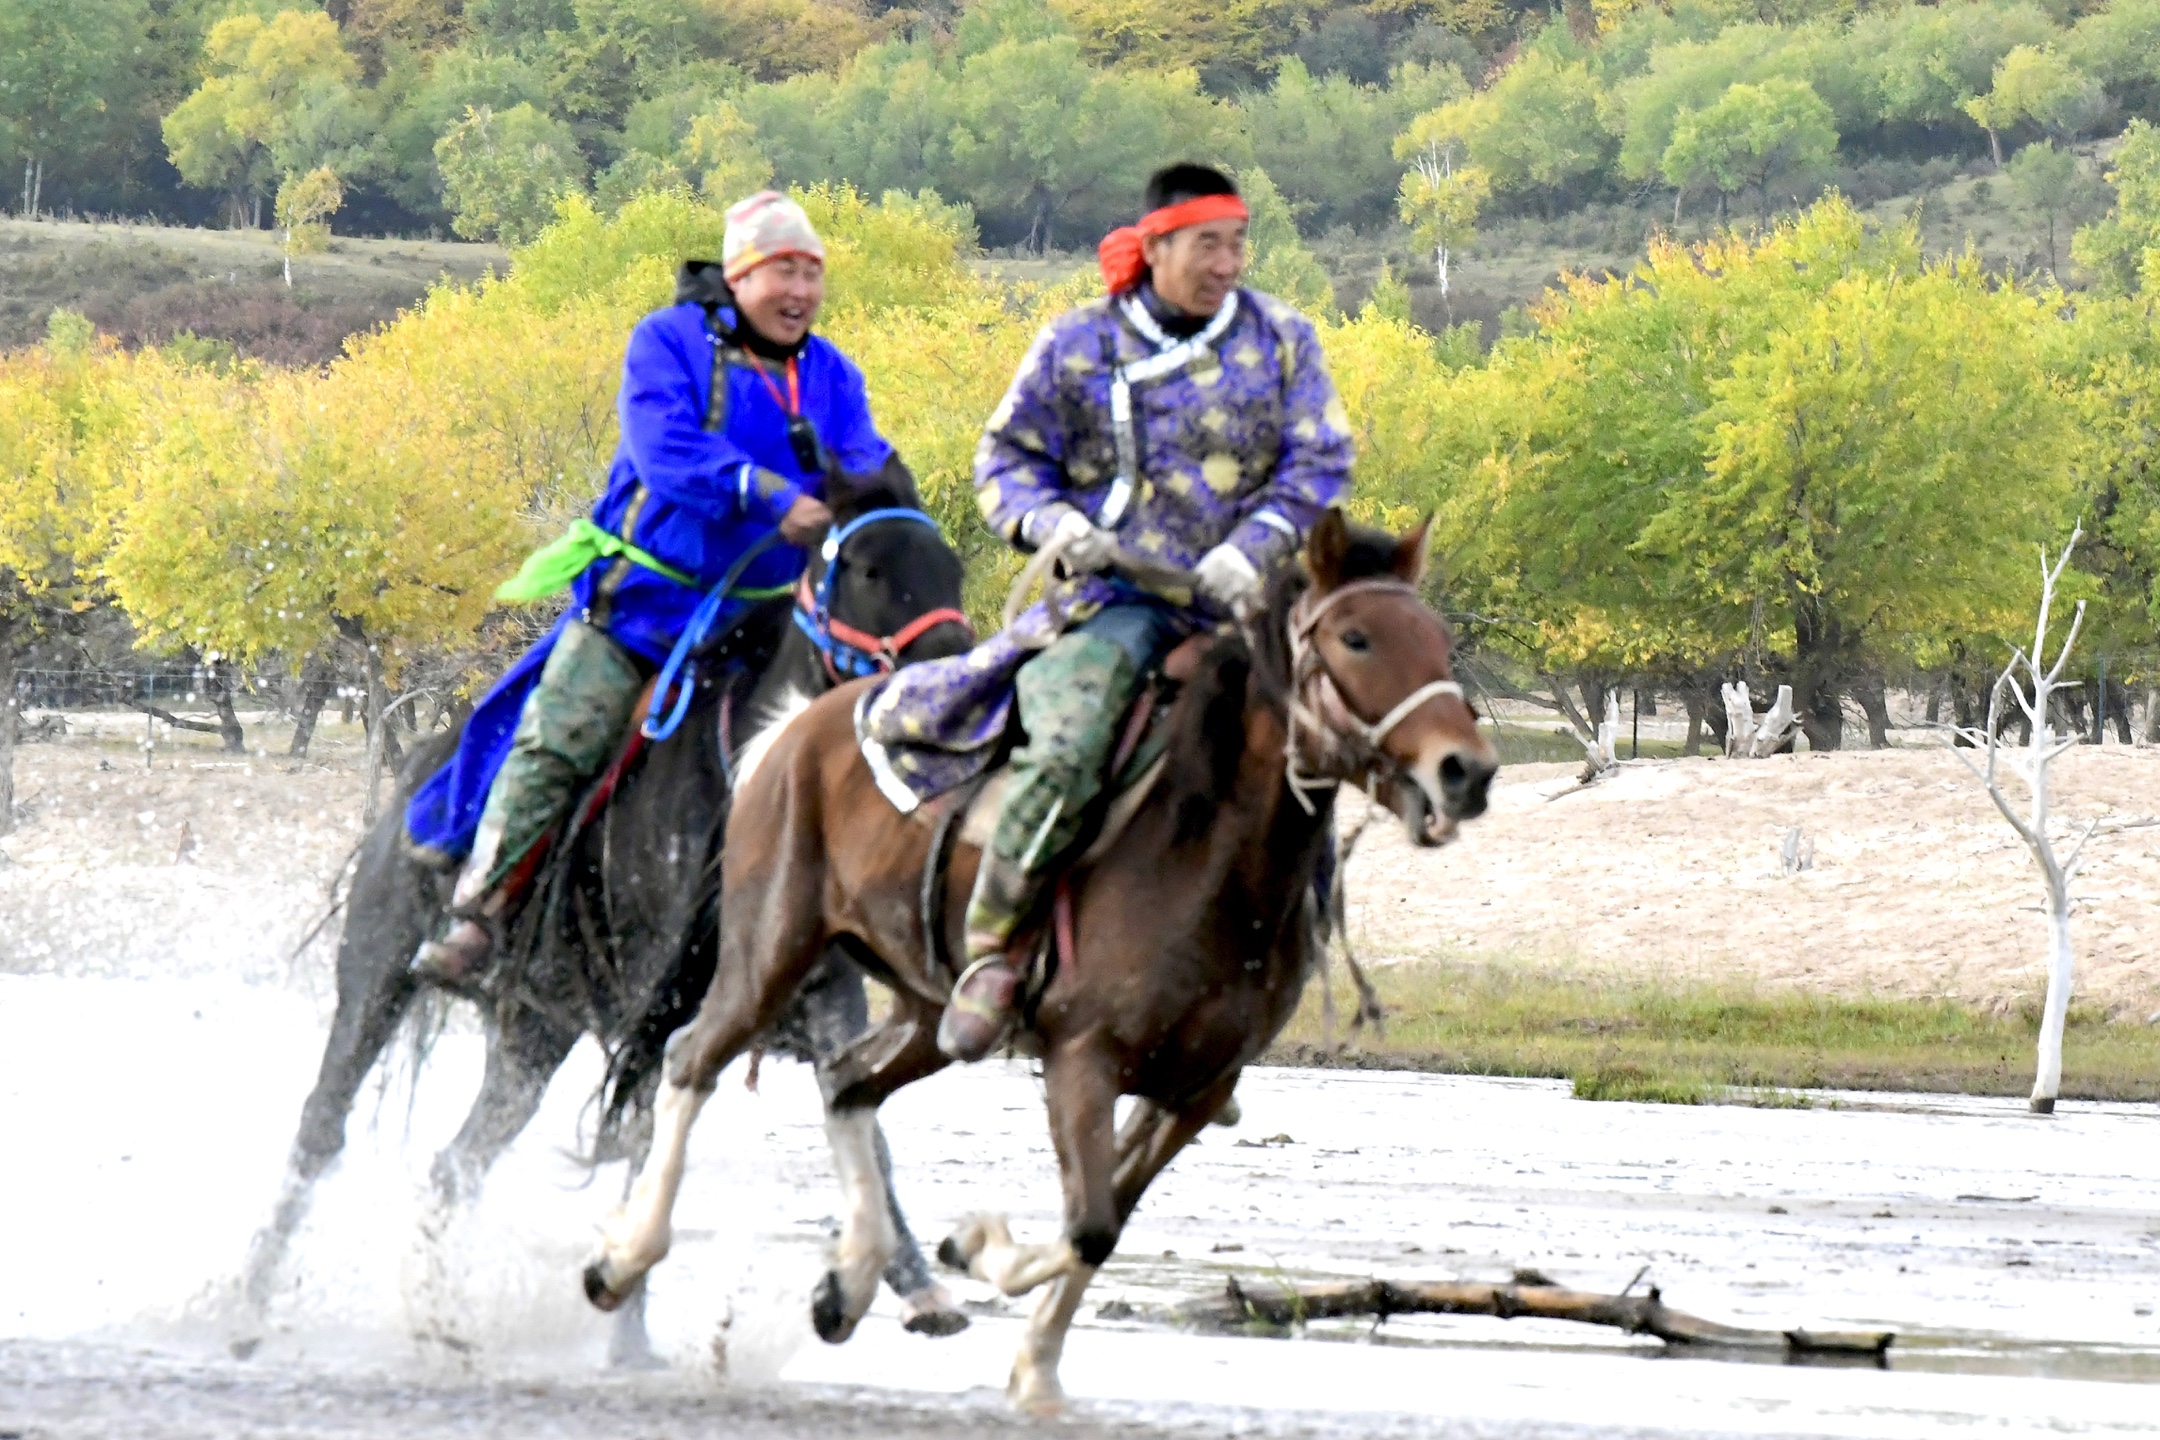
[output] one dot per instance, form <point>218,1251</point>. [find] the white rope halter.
<point>1308,669</point>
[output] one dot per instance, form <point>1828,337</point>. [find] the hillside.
<point>145,284</point>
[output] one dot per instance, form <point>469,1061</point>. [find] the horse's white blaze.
<point>637,1236</point>
<point>867,1236</point>
<point>770,723</point>
<point>1034,1383</point>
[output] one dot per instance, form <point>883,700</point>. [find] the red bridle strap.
<point>884,650</point>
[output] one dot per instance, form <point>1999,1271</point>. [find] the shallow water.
<point>145,1124</point>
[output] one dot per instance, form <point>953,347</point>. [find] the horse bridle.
<point>1327,715</point>
<point>849,653</point>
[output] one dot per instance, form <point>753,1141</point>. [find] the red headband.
<point>1120,254</point>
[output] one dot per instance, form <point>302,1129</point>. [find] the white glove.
<point>1087,547</point>
<point>1228,578</point>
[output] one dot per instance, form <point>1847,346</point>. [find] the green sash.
<point>550,569</point>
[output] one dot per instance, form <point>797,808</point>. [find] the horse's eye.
<point>1355,642</point>
<point>870,573</point>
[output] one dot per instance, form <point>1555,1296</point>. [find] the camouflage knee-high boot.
<point>1070,697</point>
<point>571,724</point>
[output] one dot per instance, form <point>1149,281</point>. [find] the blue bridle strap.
<point>839,656</point>
<point>680,671</point>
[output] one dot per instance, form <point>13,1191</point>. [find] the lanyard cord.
<point>793,403</point>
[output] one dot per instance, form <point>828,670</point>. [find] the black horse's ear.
<point>1327,548</point>
<point>703,282</point>
<point>889,487</point>
<point>1410,552</point>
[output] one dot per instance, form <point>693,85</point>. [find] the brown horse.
<point>1190,943</point>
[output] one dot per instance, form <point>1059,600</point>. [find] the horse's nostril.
<point>1463,787</point>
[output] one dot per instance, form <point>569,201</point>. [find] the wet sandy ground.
<point>145,1121</point>
<point>1670,870</point>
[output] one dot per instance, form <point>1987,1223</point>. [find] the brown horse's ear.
<point>1410,552</point>
<point>1327,548</point>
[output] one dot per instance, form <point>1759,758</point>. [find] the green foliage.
<point>278,100</point>
<point>504,175</point>
<point>1751,135</point>
<point>1327,141</point>
<point>1278,261</point>
<point>68,74</point>
<point>1537,126</point>
<point>2122,251</point>
<point>424,99</point>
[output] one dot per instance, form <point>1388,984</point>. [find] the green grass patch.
<point>1685,1043</point>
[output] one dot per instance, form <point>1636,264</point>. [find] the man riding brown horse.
<point>1181,419</point>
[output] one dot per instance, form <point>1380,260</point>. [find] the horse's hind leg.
<point>523,1054</point>
<point>901,1050</point>
<point>387,910</point>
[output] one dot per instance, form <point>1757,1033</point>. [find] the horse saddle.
<point>968,816</point>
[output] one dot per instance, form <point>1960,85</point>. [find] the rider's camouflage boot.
<point>569,728</point>
<point>1071,698</point>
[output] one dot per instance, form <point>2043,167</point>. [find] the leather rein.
<point>1317,706</point>
<point>847,652</point>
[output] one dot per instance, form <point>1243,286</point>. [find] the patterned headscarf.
<point>765,227</point>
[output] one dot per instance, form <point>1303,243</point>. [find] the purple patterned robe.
<point>1241,438</point>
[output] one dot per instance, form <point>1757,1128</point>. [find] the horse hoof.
<point>958,1250</point>
<point>597,1289</point>
<point>936,1324</point>
<point>1230,1114</point>
<point>828,1310</point>
<point>244,1347</point>
<point>1031,1394</point>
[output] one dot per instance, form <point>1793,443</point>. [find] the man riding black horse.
<point>733,417</point>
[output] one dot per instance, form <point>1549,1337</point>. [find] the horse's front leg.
<point>1081,1090</point>
<point>638,1235</point>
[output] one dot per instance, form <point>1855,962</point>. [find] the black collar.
<point>1174,321</point>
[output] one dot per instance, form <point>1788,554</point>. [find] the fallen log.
<point>1275,1304</point>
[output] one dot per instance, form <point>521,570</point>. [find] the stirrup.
<point>456,956</point>
<point>971,1026</point>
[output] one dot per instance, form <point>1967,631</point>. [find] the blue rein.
<point>680,671</point>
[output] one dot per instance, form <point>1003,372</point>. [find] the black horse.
<point>616,935</point>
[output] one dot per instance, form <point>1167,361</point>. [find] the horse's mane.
<point>1207,735</point>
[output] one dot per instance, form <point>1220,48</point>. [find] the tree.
<point>1925,61</point>
<point>2047,180</point>
<point>305,204</point>
<point>722,151</point>
<point>67,77</point>
<point>503,174</point>
<point>1752,133</point>
<point>2030,680</point>
<point>51,507</point>
<point>2122,251</point>
<point>1797,458</point>
<point>1278,262</point>
<point>1231,45</point>
<point>2036,85</point>
<point>1439,200</point>
<point>1536,128</point>
<point>1046,145</point>
<point>278,101</point>
<point>424,97</point>
<point>1327,141</point>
